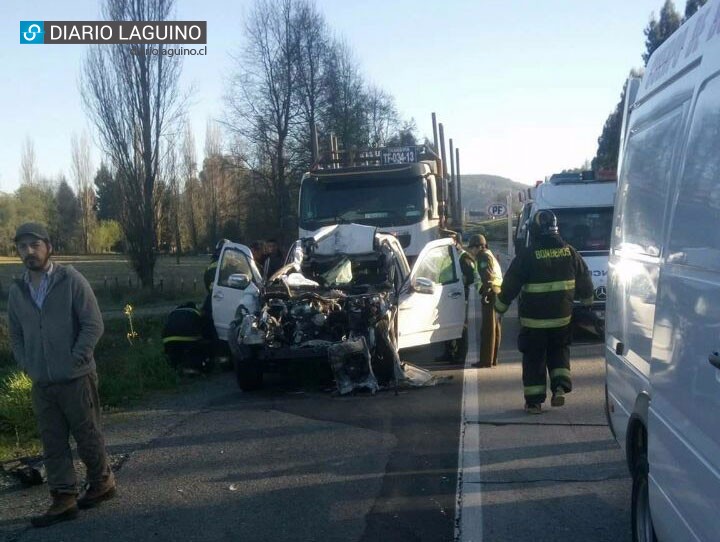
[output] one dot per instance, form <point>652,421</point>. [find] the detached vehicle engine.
<point>336,300</point>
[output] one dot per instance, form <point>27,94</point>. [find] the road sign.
<point>497,209</point>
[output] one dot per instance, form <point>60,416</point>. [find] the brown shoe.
<point>95,494</point>
<point>63,508</point>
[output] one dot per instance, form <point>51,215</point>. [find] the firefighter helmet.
<point>544,222</point>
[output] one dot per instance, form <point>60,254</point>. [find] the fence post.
<point>194,285</point>
<point>105,282</point>
<point>182,284</point>
<point>161,284</point>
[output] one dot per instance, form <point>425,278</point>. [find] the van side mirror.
<point>239,281</point>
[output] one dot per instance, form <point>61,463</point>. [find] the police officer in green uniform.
<point>489,283</point>
<point>547,275</point>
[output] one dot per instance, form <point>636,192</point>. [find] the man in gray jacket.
<point>55,323</point>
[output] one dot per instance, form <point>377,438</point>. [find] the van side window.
<point>233,261</point>
<point>641,201</point>
<point>438,266</point>
<point>695,230</point>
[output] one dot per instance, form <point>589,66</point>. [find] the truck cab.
<point>397,190</point>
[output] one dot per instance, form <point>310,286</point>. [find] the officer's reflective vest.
<point>487,263</point>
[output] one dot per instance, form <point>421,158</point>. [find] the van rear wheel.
<point>642,525</point>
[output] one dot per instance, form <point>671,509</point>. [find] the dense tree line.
<point>656,32</point>
<point>53,202</point>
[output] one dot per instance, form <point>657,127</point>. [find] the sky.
<point>523,87</point>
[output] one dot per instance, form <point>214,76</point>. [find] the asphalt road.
<point>301,464</point>
<point>556,476</point>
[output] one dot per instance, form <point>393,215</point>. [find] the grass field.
<point>116,284</point>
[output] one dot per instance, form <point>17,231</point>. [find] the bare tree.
<point>382,117</point>
<point>191,192</point>
<point>175,183</point>
<point>82,177</point>
<point>134,101</point>
<point>211,180</point>
<point>262,101</point>
<point>314,44</point>
<point>347,100</point>
<point>28,165</point>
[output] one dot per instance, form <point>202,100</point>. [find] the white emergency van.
<point>584,209</point>
<point>663,311</point>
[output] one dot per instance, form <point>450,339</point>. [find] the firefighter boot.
<point>63,508</point>
<point>558,398</point>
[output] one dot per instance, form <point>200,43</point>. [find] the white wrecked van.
<point>663,310</point>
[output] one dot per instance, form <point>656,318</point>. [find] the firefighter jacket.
<point>548,275</point>
<point>490,273</point>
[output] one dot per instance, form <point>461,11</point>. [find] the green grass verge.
<point>127,372</point>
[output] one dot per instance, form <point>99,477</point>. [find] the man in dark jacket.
<point>550,274</point>
<point>54,324</point>
<point>273,258</point>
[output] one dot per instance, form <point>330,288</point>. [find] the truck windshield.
<point>378,202</point>
<point>586,229</point>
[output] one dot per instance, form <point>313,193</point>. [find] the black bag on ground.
<point>187,340</point>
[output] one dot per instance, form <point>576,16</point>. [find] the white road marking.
<point>468,501</point>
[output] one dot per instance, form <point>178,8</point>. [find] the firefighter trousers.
<point>545,352</point>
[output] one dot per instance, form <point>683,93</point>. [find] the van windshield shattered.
<point>384,203</point>
<point>587,229</point>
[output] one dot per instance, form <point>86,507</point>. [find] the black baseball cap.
<point>33,229</point>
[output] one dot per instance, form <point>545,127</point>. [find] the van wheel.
<point>248,369</point>
<point>642,526</point>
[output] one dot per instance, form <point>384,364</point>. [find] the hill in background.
<point>479,191</point>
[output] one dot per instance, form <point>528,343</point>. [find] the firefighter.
<point>549,274</point>
<point>488,284</point>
